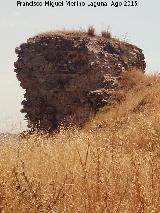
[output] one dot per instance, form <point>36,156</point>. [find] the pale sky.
<point>140,25</point>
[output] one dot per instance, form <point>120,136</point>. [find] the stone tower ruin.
<point>67,76</point>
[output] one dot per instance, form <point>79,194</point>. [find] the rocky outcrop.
<point>68,76</point>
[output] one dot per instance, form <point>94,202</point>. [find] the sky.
<point>138,25</point>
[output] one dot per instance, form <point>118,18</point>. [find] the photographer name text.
<point>76,3</point>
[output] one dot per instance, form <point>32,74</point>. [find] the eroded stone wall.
<point>68,76</point>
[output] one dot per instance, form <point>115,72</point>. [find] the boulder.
<point>68,76</point>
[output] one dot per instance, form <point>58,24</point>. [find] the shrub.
<point>91,31</point>
<point>106,34</point>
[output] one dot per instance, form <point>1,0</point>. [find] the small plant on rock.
<point>106,34</point>
<point>91,31</point>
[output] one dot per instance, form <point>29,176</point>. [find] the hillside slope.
<point>111,165</point>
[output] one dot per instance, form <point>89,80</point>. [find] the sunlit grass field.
<point>112,165</point>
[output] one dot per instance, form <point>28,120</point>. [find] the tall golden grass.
<point>112,165</point>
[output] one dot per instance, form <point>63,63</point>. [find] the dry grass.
<point>111,166</point>
<point>64,33</point>
<point>106,34</point>
<point>88,34</point>
<point>91,31</point>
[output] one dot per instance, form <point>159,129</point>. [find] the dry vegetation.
<point>90,31</point>
<point>106,34</point>
<point>111,166</point>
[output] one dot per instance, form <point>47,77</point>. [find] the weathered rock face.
<point>67,76</point>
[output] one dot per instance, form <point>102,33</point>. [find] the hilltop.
<point>110,165</point>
